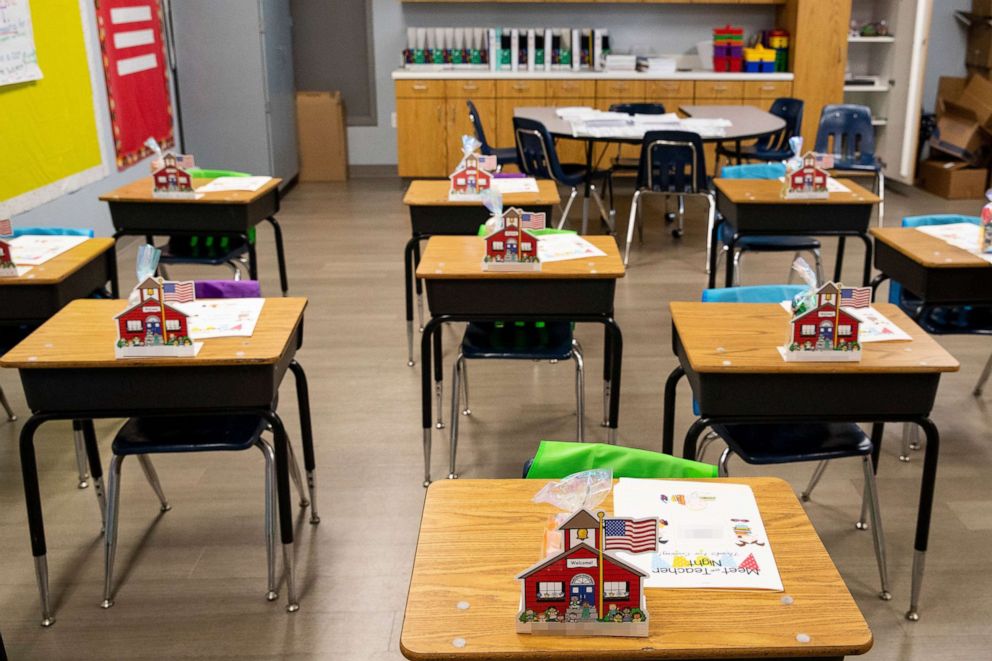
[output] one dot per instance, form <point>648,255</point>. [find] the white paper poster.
<point>709,535</point>
<point>222,317</point>
<point>18,59</point>
<point>36,249</point>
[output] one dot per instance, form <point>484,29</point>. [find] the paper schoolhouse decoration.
<point>806,178</point>
<point>7,267</point>
<point>585,590</point>
<point>513,247</point>
<point>151,327</point>
<point>825,325</point>
<point>474,172</point>
<point>170,177</point>
<point>985,237</point>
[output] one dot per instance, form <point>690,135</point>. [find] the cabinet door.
<point>459,124</point>
<point>421,139</point>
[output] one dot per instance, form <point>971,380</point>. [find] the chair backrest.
<point>639,108</point>
<point>672,161</point>
<point>536,150</point>
<point>480,134</point>
<point>753,294</point>
<point>753,171</point>
<point>791,111</point>
<point>227,289</point>
<point>53,231</point>
<point>846,132</point>
<point>895,289</point>
<point>558,459</point>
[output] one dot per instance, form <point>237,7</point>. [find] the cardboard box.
<point>952,180</point>
<point>981,7</point>
<point>979,51</point>
<point>322,136</point>
<point>949,87</point>
<point>964,121</point>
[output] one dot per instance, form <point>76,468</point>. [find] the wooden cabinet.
<point>520,89</point>
<point>772,89</point>
<point>470,89</point>
<point>621,89</point>
<point>560,91</point>
<point>421,137</point>
<point>726,90</point>
<point>413,89</point>
<point>668,89</point>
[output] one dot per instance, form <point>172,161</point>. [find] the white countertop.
<point>440,73</point>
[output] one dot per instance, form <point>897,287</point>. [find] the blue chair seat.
<point>790,443</point>
<point>547,341</point>
<point>504,155</point>
<point>758,154</point>
<point>188,434</point>
<point>769,243</point>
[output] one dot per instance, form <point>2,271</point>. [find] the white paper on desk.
<point>222,317</point>
<point>225,184</point>
<point>507,185</point>
<point>562,247</point>
<point>706,127</point>
<point>875,326</point>
<point>960,235</point>
<point>712,536</point>
<point>834,186</point>
<point>36,249</point>
<point>667,119</point>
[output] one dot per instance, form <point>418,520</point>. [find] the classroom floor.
<point>191,583</point>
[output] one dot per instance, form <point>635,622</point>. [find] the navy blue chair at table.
<point>539,158</point>
<point>672,164</point>
<point>533,341</point>
<point>846,132</point>
<point>773,147</point>
<point>142,437</point>
<point>770,444</point>
<point>504,155</point>
<point>758,243</point>
<point>620,164</point>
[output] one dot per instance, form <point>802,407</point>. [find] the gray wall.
<point>82,208</point>
<point>666,28</point>
<point>945,55</point>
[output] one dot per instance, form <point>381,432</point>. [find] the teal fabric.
<point>52,231</point>
<point>753,171</point>
<point>558,459</point>
<point>754,294</point>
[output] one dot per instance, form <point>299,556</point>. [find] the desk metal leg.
<point>438,377</point>
<point>408,253</point>
<point>876,283</point>
<point>81,464</point>
<point>112,272</point>
<point>877,431</point>
<point>616,362</point>
<point>866,276</point>
<point>36,521</point>
<point>252,259</point>
<point>426,342</point>
<point>306,434</point>
<point>728,280</point>
<point>96,469</point>
<point>927,486</point>
<point>280,255</point>
<point>839,262</point>
<point>285,506</point>
<point>419,285</point>
<point>607,370</point>
<point>714,251</point>
<point>587,188</point>
<point>668,415</point>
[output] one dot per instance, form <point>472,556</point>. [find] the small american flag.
<point>633,535</point>
<point>5,229</point>
<point>178,292</point>
<point>487,162</point>
<point>855,297</point>
<point>532,221</point>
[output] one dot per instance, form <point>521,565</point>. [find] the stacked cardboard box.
<point>979,53</point>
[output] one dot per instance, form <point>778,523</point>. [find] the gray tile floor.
<point>191,583</point>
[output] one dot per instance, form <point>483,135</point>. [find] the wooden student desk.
<point>574,290</point>
<point>729,353</point>
<point>47,288</point>
<point>756,207</point>
<point>68,371</point>
<point>932,269</point>
<point>136,212</point>
<point>431,213</point>
<point>477,535</point>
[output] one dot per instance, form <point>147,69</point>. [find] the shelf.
<point>877,87</point>
<point>871,40</point>
<point>879,121</point>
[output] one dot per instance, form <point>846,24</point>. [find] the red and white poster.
<point>134,63</point>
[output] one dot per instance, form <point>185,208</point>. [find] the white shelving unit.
<point>896,62</point>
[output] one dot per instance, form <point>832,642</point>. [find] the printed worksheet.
<point>960,235</point>
<point>225,184</point>
<point>507,185</point>
<point>562,247</point>
<point>875,326</point>
<point>36,249</point>
<point>709,535</point>
<point>222,317</point>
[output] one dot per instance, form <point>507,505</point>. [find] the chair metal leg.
<point>604,214</point>
<point>427,457</point>
<point>294,472</point>
<point>270,517</point>
<point>580,393</point>
<point>862,522</point>
<point>606,404</point>
<point>81,461</point>
<point>792,272</point>
<point>710,222</point>
<point>456,373</point>
<point>818,265</point>
<point>722,464</point>
<point>881,197</point>
<point>438,394</point>
<point>235,266</point>
<point>6,406</point>
<point>631,222</point>
<point>738,263</point>
<point>152,476</point>
<point>909,439</point>
<point>986,371</point>
<point>293,604</point>
<point>680,228</point>
<point>420,311</point>
<point>466,410</point>
<point>813,480</point>
<point>567,208</point>
<point>704,444</point>
<point>163,272</point>
<point>878,537</point>
<point>110,538</point>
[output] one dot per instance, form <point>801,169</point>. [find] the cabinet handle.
<point>470,86</point>
<point>520,86</point>
<point>419,88</point>
<point>767,88</point>
<point>719,88</point>
<point>439,113</point>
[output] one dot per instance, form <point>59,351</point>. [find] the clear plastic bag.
<point>145,265</point>
<point>585,490</point>
<point>493,200</point>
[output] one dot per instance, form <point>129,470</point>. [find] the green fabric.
<point>537,233</point>
<point>204,173</point>
<point>557,459</point>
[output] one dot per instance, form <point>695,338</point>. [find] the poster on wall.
<point>137,83</point>
<point>18,58</point>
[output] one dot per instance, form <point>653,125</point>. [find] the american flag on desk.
<point>633,535</point>
<point>5,229</point>
<point>532,221</point>
<point>855,297</point>
<point>178,292</point>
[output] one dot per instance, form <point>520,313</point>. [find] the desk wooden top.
<point>434,193</point>
<point>460,258</point>
<point>744,338</point>
<point>769,191</point>
<point>59,268</point>
<point>477,535</point>
<point>141,191</point>
<point>926,250</point>
<point>83,334</point>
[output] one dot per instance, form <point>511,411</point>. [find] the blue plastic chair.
<point>620,164</point>
<point>672,163</point>
<point>847,133</point>
<point>142,437</point>
<point>539,158</point>
<point>796,244</point>
<point>504,155</point>
<point>785,443</point>
<point>773,147</point>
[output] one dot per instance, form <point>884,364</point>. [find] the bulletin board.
<point>48,131</point>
